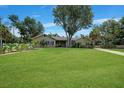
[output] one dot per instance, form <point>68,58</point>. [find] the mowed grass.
<point>63,68</point>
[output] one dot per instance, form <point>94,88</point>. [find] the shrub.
<point>23,46</point>
<point>79,45</point>
<point>108,45</point>
<point>35,44</point>
<point>30,46</point>
<point>87,46</point>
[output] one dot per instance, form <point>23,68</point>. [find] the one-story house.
<point>52,41</point>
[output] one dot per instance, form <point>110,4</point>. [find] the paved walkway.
<point>111,51</point>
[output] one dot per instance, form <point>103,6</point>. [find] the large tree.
<point>14,19</point>
<point>32,27</point>
<point>28,27</point>
<point>72,18</point>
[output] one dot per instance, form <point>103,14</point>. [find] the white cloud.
<point>49,25</point>
<point>83,32</point>
<point>59,33</point>
<point>100,21</point>
<point>62,34</point>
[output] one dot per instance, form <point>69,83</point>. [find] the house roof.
<point>61,38</point>
<point>57,38</point>
<point>36,36</point>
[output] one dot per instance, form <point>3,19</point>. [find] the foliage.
<point>95,35</point>
<point>14,20</point>
<point>80,45</point>
<point>28,27</point>
<point>108,45</point>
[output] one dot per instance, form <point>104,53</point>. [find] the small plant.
<point>24,46</point>
<point>6,48</point>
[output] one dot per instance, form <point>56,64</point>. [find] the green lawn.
<point>61,67</point>
<point>120,50</point>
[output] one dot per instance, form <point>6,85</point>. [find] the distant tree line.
<point>109,33</point>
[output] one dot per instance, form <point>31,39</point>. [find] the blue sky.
<point>44,14</point>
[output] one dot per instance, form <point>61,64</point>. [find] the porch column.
<point>54,43</point>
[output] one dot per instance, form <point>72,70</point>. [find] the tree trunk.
<point>69,41</point>
<point>13,31</point>
<point>13,34</point>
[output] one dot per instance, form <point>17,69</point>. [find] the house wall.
<point>60,43</point>
<point>49,42</point>
<point>81,41</point>
<point>52,42</point>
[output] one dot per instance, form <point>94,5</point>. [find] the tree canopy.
<point>72,18</point>
<point>110,32</point>
<point>28,27</point>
